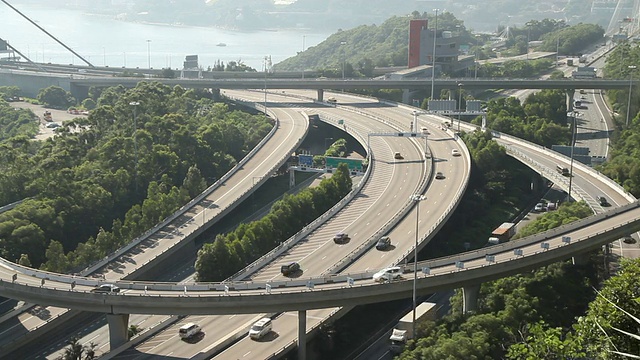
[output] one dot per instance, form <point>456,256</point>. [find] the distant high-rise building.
<point>421,47</point>
<point>416,28</point>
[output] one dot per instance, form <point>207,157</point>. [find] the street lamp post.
<point>342,43</point>
<point>266,70</point>
<point>135,140</point>
<point>416,198</point>
<point>149,54</point>
<point>303,39</point>
<point>631,68</point>
<point>433,63</point>
<point>573,141</point>
<point>475,61</point>
<point>459,103</point>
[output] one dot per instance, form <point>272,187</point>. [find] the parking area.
<point>57,116</point>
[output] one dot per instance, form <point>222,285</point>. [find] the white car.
<point>388,274</point>
<point>52,125</point>
<point>260,328</point>
<point>455,152</point>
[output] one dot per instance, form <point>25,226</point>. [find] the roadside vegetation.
<point>94,190</point>
<point>233,251</point>
<point>15,124</point>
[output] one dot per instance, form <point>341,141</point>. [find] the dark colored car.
<point>383,243</point>
<point>603,201</point>
<point>290,268</point>
<point>106,289</point>
<point>341,238</point>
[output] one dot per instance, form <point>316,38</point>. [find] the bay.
<point>103,40</point>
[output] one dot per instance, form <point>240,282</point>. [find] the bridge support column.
<point>320,95</point>
<point>470,298</point>
<point>292,178</point>
<point>580,259</point>
<point>406,96</point>
<point>570,94</point>
<point>118,329</point>
<point>302,335</point>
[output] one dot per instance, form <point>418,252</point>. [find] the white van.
<point>260,328</point>
<point>188,330</point>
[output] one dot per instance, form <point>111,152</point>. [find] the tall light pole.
<point>135,140</point>
<point>573,141</point>
<point>475,70</point>
<point>342,43</point>
<point>528,39</point>
<point>303,39</point>
<point>433,63</point>
<point>415,198</point>
<point>266,59</point>
<point>459,103</point>
<point>631,68</point>
<point>149,54</point>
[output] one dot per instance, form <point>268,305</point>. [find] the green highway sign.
<point>353,164</point>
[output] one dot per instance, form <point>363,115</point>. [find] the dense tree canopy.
<point>55,97</point>
<point>541,119</point>
<point>94,187</point>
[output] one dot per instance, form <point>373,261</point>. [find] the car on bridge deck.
<point>290,268</point>
<point>455,152</point>
<point>603,201</point>
<point>341,238</point>
<point>383,243</point>
<point>388,274</point>
<point>106,289</point>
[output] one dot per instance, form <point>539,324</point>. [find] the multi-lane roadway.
<point>292,128</point>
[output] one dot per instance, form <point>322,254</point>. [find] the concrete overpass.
<point>31,82</point>
<point>466,270</point>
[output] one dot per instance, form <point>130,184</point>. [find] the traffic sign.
<point>353,164</point>
<point>305,160</point>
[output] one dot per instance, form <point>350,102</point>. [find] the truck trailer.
<point>504,232</point>
<point>403,331</point>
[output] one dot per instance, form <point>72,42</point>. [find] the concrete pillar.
<point>580,259</point>
<point>302,335</point>
<point>118,329</point>
<point>320,94</point>
<point>292,178</point>
<point>406,96</point>
<point>470,298</point>
<point>570,94</point>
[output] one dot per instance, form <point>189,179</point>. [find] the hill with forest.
<point>309,15</point>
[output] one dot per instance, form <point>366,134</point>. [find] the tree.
<point>194,183</point>
<point>55,97</point>
<point>76,351</point>
<point>604,315</point>
<point>24,260</point>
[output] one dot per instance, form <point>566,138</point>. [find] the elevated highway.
<point>176,233</point>
<point>303,286</point>
<point>406,117</point>
<point>31,82</point>
<point>382,202</point>
<point>326,291</point>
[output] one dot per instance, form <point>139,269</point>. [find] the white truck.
<point>404,330</point>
